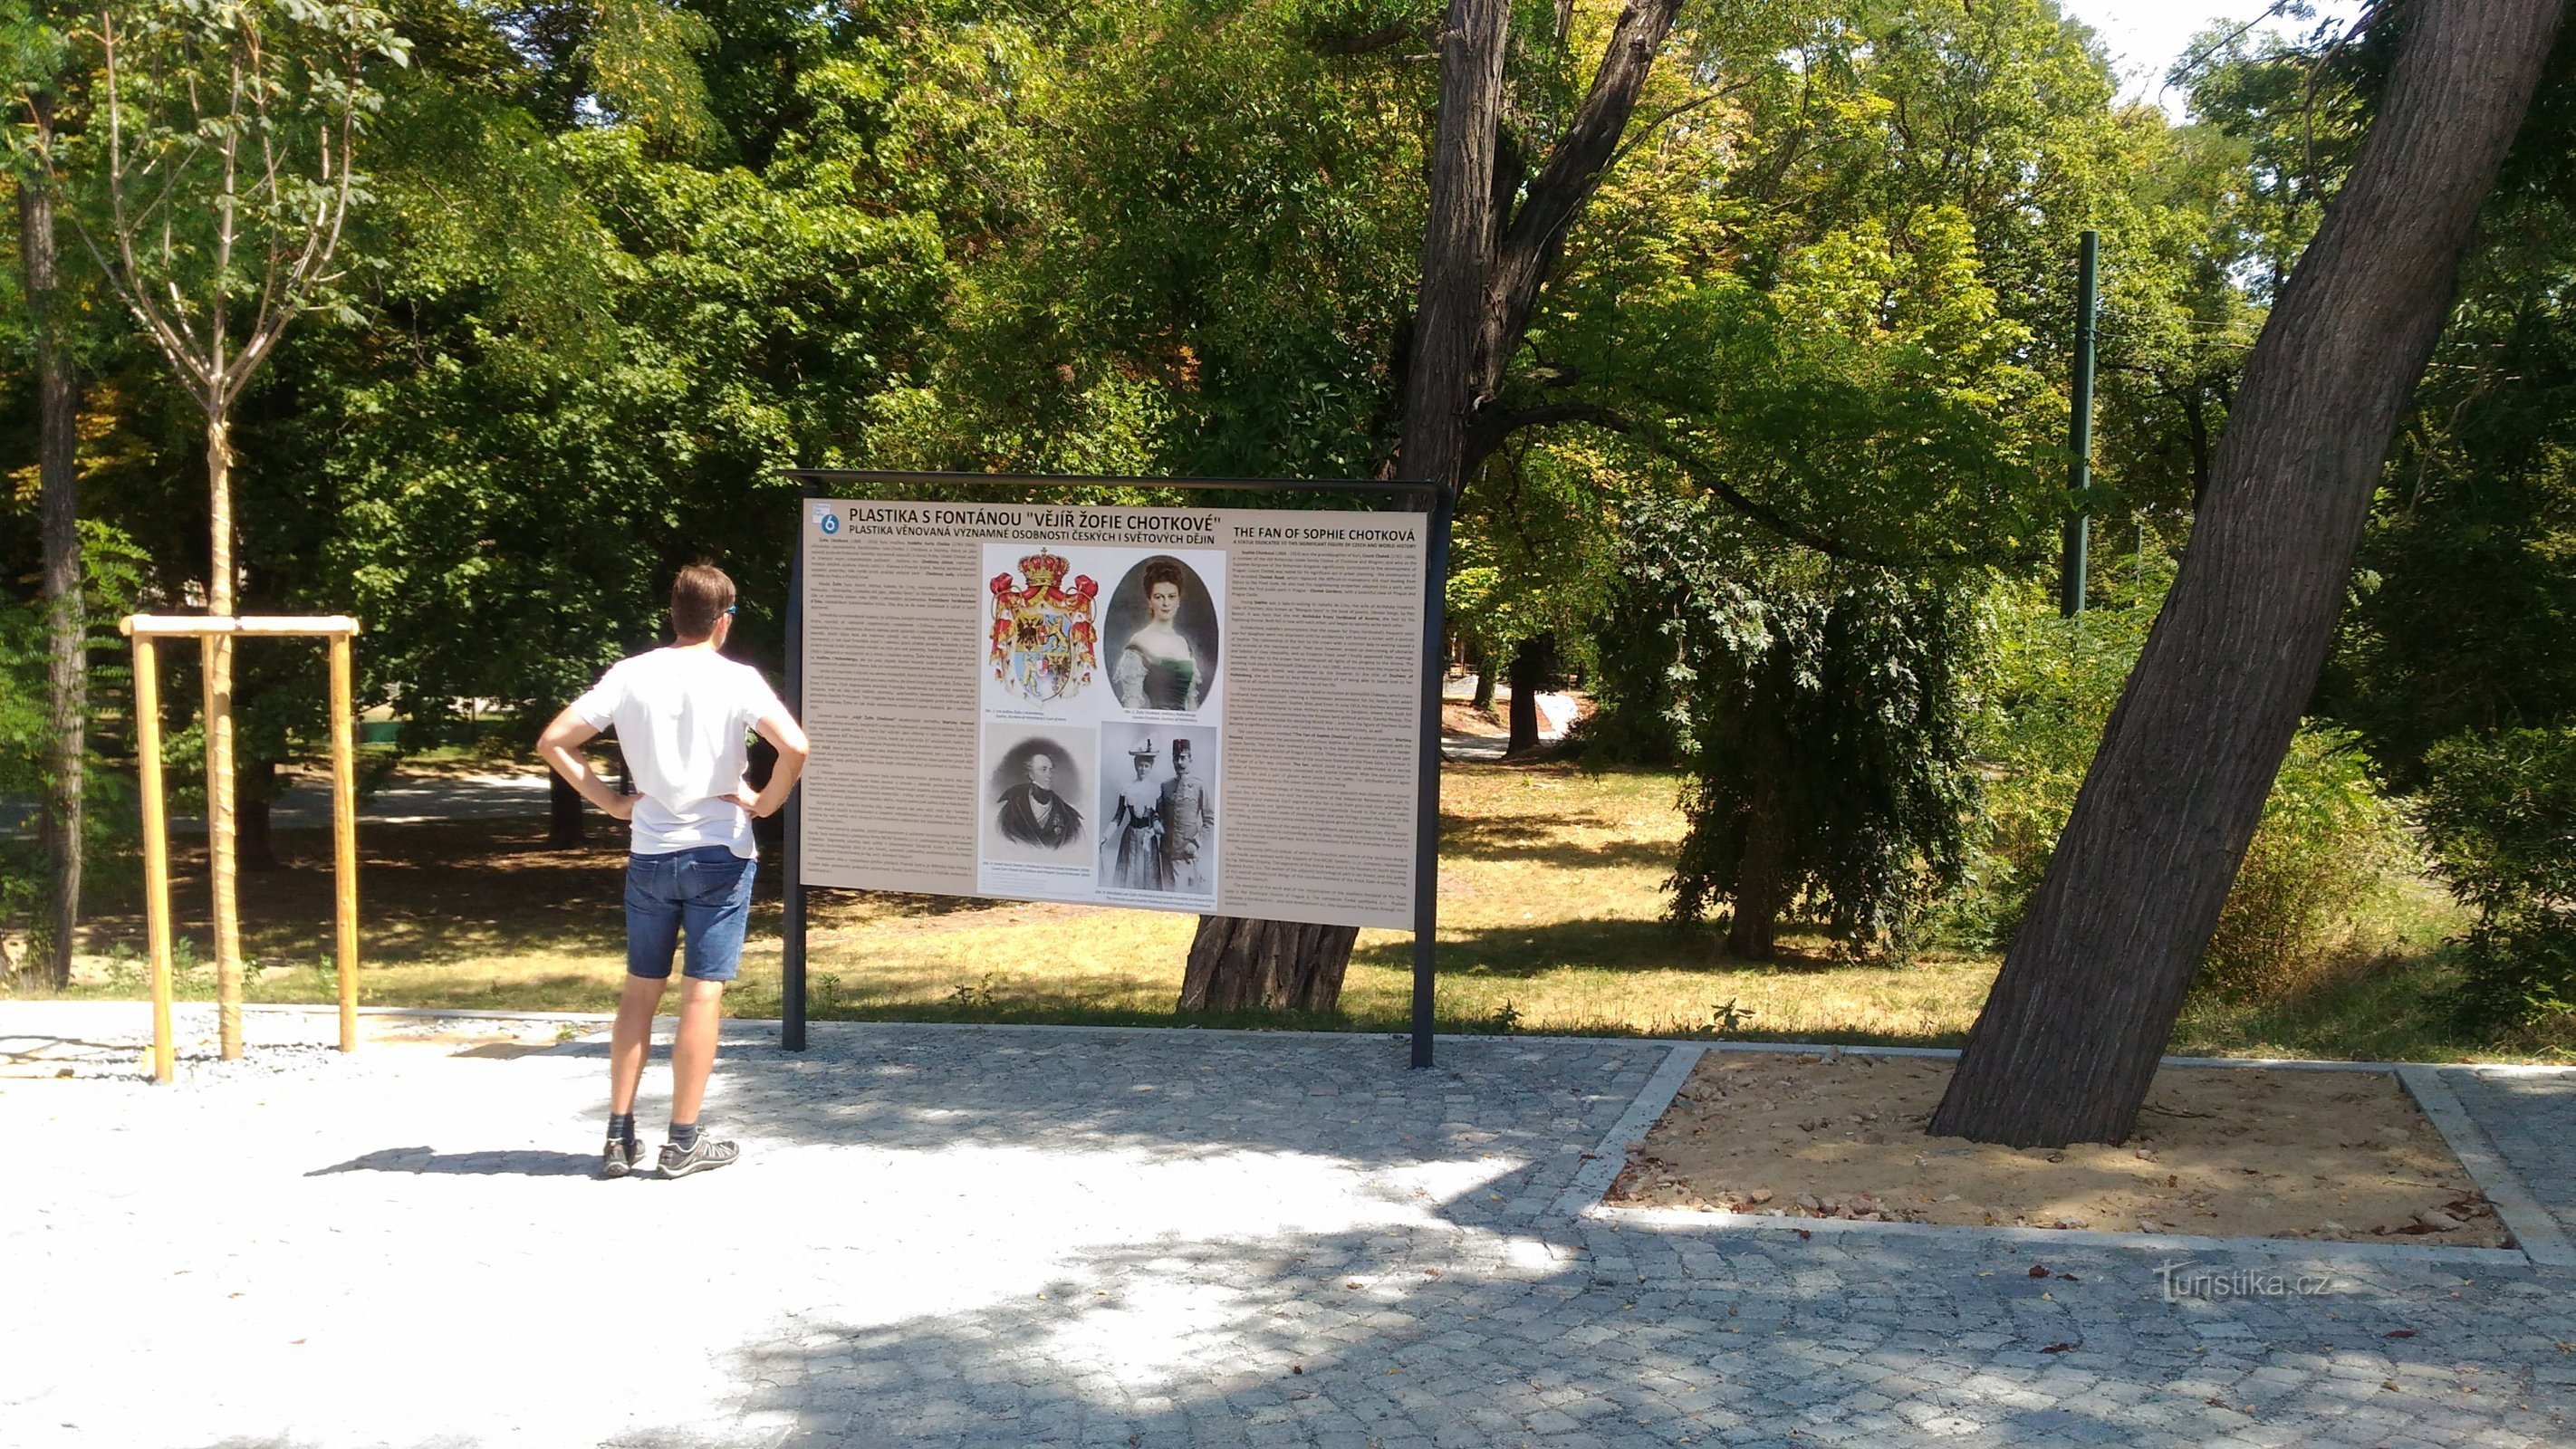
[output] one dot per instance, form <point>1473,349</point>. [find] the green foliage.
<point>224,146</point>
<point>2466,596</point>
<point>2047,695</point>
<point>640,58</point>
<point>2328,845</point>
<point>1818,711</point>
<point>2500,813</point>
<point>113,569</point>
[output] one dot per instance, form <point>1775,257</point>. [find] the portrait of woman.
<point>1164,631</point>
<point>1131,843</point>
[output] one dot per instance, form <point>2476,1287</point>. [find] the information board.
<point>1207,710</point>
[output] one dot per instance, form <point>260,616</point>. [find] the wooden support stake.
<point>156,848</point>
<point>344,836</point>
<point>214,634</point>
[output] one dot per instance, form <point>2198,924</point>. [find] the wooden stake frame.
<point>145,630</point>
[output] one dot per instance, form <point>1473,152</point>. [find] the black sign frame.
<point>1428,497</point>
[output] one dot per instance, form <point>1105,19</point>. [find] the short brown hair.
<point>699,597</point>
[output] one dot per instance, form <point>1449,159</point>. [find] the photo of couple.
<point>1158,812</point>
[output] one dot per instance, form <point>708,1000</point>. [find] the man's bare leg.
<point>693,1051</point>
<point>631,1040</point>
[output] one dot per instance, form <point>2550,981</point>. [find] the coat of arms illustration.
<point>1044,643</point>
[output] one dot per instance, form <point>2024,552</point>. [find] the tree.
<point>1493,237</point>
<point>2067,1045</point>
<point>1816,715</point>
<point>35,60</point>
<point>228,132</point>
<point>2465,599</point>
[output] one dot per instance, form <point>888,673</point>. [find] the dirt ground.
<point>2220,1151</point>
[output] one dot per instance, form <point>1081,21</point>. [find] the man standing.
<point>1033,813</point>
<point>682,716</point>
<point>1188,815</point>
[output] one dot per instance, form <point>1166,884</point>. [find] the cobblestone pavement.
<point>2531,1118</point>
<point>1012,1237</point>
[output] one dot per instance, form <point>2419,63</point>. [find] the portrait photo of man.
<point>1035,802</point>
<point>1189,825</point>
<point>1033,812</point>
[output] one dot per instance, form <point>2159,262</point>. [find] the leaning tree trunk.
<point>1234,962</point>
<point>2069,1041</point>
<point>66,627</point>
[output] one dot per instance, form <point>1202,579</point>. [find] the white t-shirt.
<point>682,717</point>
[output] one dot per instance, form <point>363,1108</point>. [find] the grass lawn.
<point>1551,896</point>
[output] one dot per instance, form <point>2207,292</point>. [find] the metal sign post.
<point>1429,497</point>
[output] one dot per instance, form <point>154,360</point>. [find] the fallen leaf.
<point>2039,1270</point>
<point>2399,1333</point>
<point>2057,1348</point>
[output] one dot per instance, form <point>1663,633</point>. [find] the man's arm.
<point>560,746</point>
<point>784,736</point>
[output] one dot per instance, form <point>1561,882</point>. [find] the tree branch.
<point>1487,434</point>
<point>1375,40</point>
<point>1574,168</point>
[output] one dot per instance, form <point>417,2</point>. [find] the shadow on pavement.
<point>514,1163</point>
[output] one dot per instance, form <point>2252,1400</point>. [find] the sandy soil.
<point>2222,1151</point>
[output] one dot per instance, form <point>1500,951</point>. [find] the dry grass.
<point>1551,901</point>
<point>1551,890</point>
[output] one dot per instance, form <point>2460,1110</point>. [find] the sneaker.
<point>705,1153</point>
<point>619,1157</point>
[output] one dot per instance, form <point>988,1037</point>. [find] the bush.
<point>1818,713</point>
<point>2328,842</point>
<point>2499,811</point>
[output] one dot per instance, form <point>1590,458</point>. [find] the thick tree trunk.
<point>1532,661</point>
<point>1236,963</point>
<point>1457,244</point>
<point>1483,264</point>
<point>563,813</point>
<point>2069,1041</point>
<point>66,625</point>
<point>1481,659</point>
<point>1277,965</point>
<point>1752,930</point>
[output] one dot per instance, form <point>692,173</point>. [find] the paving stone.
<point>1011,1236</point>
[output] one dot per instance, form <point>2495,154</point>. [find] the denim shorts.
<point>708,890</point>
